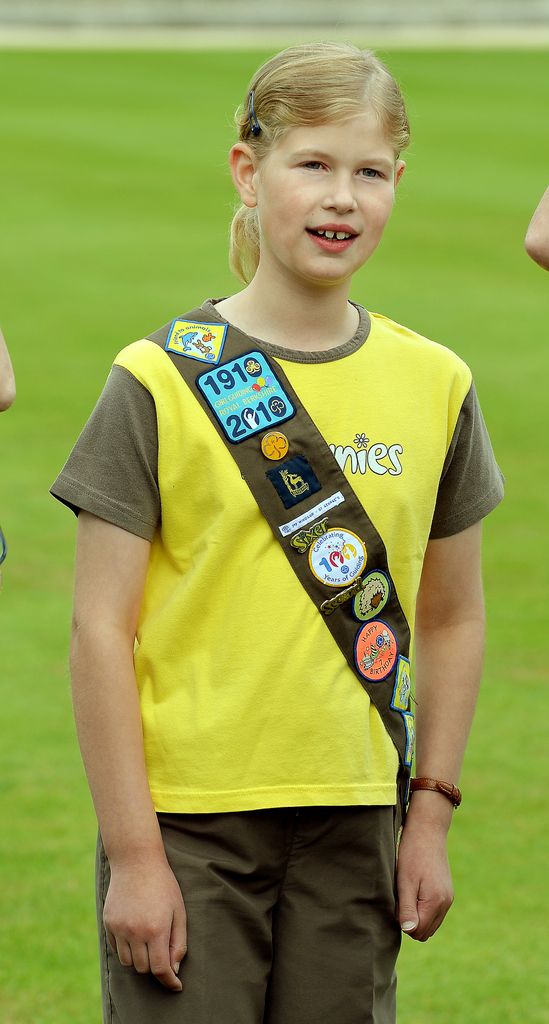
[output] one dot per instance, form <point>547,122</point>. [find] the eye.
<point>370,172</point>
<point>313,164</point>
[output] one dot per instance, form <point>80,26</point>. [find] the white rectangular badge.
<point>313,513</point>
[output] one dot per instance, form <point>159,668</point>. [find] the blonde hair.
<point>311,84</point>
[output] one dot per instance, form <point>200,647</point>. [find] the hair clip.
<point>254,123</point>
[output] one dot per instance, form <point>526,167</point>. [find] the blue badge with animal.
<point>245,396</point>
<point>203,342</point>
<point>294,480</point>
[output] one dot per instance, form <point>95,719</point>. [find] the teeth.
<point>340,235</point>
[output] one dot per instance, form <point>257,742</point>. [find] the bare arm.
<point>449,650</point>
<point>536,242</point>
<point>7,378</point>
<point>144,912</point>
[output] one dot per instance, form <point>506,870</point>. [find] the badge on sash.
<point>375,651</point>
<point>245,396</point>
<point>330,605</point>
<point>372,596</point>
<point>275,445</point>
<point>410,737</point>
<point>196,341</point>
<point>294,480</point>
<point>337,558</point>
<point>403,686</point>
<point>302,541</point>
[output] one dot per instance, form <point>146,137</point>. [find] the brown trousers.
<point>291,920</point>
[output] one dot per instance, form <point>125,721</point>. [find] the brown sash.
<point>328,490</point>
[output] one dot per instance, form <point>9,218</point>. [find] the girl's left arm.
<point>449,650</point>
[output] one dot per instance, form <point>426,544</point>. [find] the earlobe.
<point>243,166</point>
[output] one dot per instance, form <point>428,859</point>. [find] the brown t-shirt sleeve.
<point>112,470</point>
<point>471,483</point>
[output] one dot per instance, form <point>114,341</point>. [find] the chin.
<point>331,276</point>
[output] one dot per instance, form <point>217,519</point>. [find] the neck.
<point>305,316</point>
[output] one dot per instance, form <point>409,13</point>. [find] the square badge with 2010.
<point>245,396</point>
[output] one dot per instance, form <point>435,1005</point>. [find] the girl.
<point>270,489</point>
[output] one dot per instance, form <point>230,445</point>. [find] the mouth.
<point>341,232</point>
<point>333,238</point>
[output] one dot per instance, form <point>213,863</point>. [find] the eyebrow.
<point>318,153</point>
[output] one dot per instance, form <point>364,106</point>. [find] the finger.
<point>124,953</point>
<point>111,940</point>
<point>140,957</point>
<point>422,934</point>
<point>436,922</point>
<point>159,959</point>
<point>408,915</point>
<point>430,920</point>
<point>178,936</point>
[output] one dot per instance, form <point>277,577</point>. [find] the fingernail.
<point>176,967</point>
<point>408,926</point>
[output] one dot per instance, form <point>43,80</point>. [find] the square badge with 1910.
<point>245,396</point>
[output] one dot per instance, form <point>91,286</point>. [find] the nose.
<point>340,196</point>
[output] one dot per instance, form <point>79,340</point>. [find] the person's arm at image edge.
<point>536,242</point>
<point>449,651</point>
<point>7,377</point>
<point>144,911</point>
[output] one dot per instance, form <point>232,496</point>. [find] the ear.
<point>243,165</point>
<point>400,167</point>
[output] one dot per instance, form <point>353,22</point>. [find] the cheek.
<point>279,218</point>
<point>380,210</point>
<point>386,202</point>
<point>274,208</point>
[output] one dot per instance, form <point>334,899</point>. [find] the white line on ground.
<point>510,37</point>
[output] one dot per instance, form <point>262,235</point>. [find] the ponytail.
<point>244,244</point>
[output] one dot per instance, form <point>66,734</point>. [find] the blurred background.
<point>476,20</point>
<point>115,204</point>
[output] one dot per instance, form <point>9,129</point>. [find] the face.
<point>319,183</point>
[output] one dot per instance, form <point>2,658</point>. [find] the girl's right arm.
<point>144,912</point>
<point>7,378</point>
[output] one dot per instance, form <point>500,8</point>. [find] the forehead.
<point>357,137</point>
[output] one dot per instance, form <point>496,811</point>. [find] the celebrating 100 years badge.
<point>337,558</point>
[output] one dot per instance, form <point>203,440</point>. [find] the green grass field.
<point>115,208</point>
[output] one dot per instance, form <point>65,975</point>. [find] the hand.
<point>424,881</point>
<point>146,921</point>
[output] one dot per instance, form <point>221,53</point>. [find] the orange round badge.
<point>375,651</point>
<point>275,445</point>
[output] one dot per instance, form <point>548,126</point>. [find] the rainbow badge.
<point>197,341</point>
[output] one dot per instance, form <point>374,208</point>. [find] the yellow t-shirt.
<point>246,699</point>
